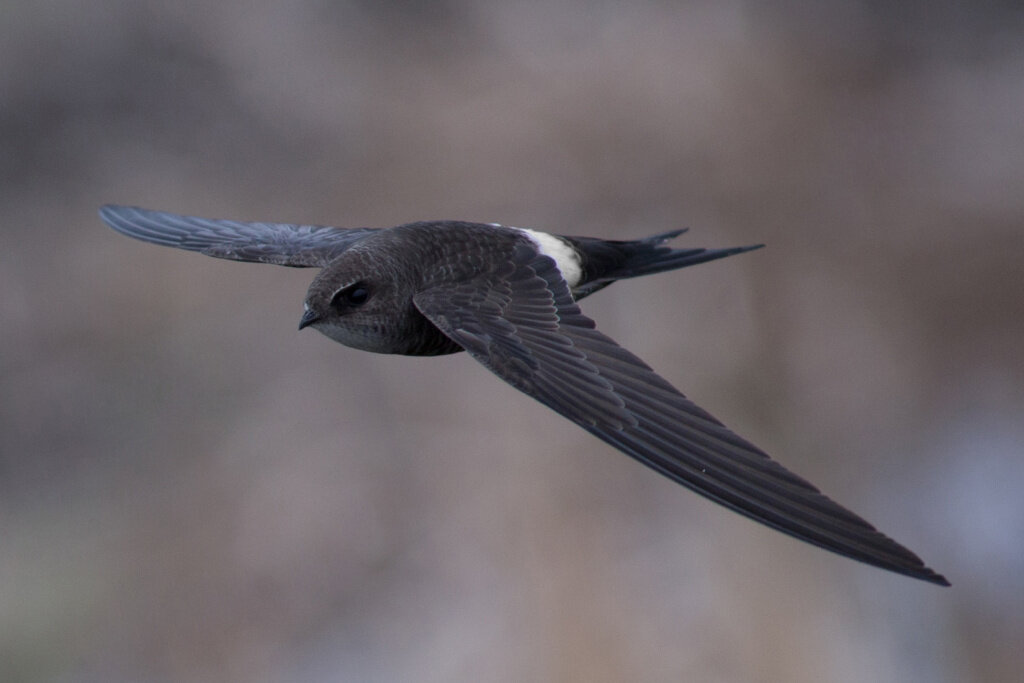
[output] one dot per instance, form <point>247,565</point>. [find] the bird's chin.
<point>353,337</point>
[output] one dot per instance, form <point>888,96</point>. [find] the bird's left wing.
<point>520,321</point>
<point>283,244</point>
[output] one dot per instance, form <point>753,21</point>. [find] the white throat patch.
<point>561,252</point>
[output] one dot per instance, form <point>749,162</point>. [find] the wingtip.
<point>934,577</point>
<point>108,211</point>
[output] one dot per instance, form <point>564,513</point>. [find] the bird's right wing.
<point>519,320</point>
<point>282,244</point>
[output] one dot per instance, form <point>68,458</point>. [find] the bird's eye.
<point>357,295</point>
<point>353,296</point>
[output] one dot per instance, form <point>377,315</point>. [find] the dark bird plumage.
<point>509,297</point>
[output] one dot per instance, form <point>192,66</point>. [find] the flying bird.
<point>509,298</point>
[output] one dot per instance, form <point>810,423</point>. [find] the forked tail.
<point>606,261</point>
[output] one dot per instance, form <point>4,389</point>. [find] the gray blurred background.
<point>190,490</point>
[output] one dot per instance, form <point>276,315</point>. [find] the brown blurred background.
<point>190,490</point>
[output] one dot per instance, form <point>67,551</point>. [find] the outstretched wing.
<point>521,322</point>
<point>283,244</point>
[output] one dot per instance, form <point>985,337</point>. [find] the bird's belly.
<point>431,342</point>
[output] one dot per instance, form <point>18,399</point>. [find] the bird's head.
<point>356,304</point>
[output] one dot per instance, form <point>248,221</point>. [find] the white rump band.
<point>561,252</point>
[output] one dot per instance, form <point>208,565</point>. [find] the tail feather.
<point>605,261</point>
<point>671,259</point>
<point>662,237</point>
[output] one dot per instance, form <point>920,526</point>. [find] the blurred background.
<point>190,490</point>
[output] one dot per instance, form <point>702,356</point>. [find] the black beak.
<point>308,318</point>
